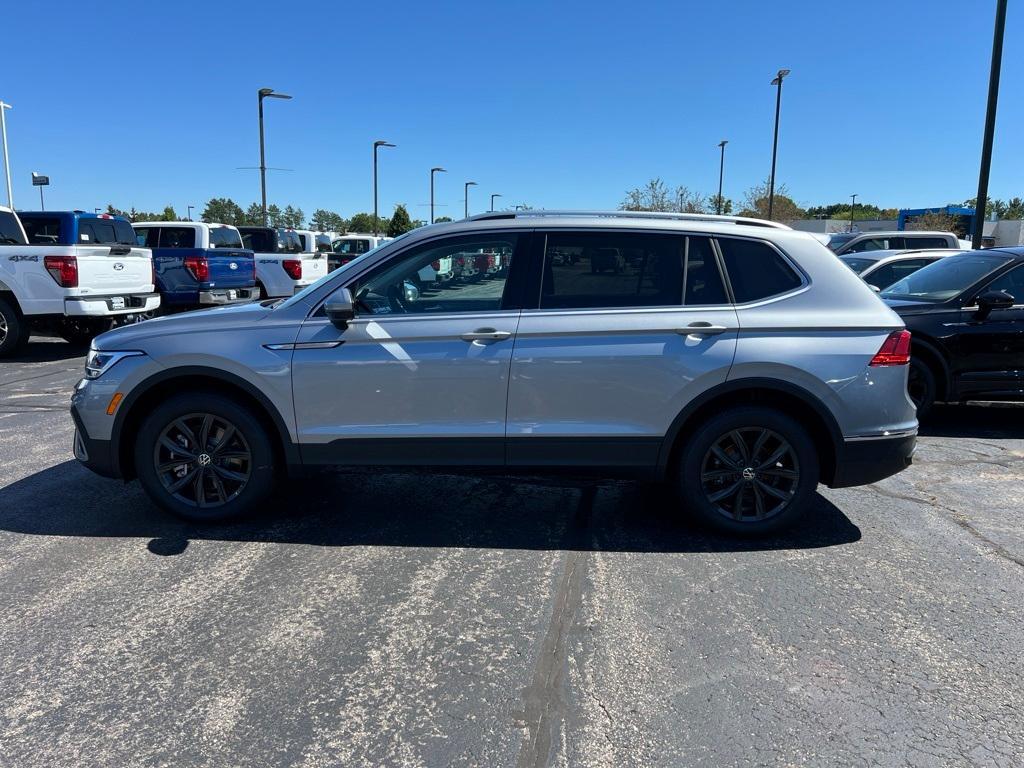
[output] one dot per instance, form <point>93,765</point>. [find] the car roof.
<point>1017,252</point>
<point>197,224</point>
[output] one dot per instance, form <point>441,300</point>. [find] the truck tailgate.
<point>314,266</point>
<point>113,270</point>
<point>231,268</point>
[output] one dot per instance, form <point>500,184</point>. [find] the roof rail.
<point>668,216</point>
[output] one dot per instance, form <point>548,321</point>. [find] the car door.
<point>991,349</point>
<point>609,351</point>
<point>420,375</point>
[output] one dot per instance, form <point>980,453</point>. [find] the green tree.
<point>327,221</point>
<point>254,215</point>
<point>293,217</point>
<point>712,205</point>
<point>363,222</point>
<point>274,216</point>
<point>938,222</point>
<point>755,204</point>
<point>223,210</point>
<point>442,219</point>
<point>400,222</point>
<point>653,196</point>
<point>1014,208</point>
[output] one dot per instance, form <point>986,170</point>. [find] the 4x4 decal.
<point>24,257</point>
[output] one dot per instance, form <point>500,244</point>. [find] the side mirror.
<point>339,308</point>
<point>993,300</point>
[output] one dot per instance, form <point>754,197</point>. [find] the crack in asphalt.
<point>955,515</point>
<point>545,699</point>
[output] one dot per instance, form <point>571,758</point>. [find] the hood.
<point>215,318</point>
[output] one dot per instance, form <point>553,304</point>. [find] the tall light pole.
<point>721,172</point>
<point>775,141</point>
<point>377,145</point>
<point>7,162</point>
<point>990,124</point>
<point>438,169</point>
<point>190,207</point>
<point>265,93</point>
<point>492,201</point>
<point>853,204</point>
<point>466,191</point>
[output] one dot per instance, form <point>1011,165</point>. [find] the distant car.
<point>351,246</point>
<point>283,266</point>
<point>880,269</point>
<point>858,242</point>
<point>966,317</point>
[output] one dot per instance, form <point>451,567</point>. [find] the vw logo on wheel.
<point>233,265</point>
<point>748,473</point>
<point>204,459</point>
<point>118,266</point>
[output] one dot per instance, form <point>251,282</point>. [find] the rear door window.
<point>177,237</point>
<point>260,240</point>
<point>44,230</point>
<point>147,237</point>
<point>887,274</point>
<point>225,237</point>
<point>105,232</point>
<point>756,270</point>
<point>870,244</point>
<point>926,242</point>
<point>10,232</point>
<point>594,270</point>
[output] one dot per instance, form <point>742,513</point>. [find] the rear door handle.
<point>486,334</point>
<point>702,329</point>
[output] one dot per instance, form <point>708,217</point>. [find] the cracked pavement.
<point>421,619</point>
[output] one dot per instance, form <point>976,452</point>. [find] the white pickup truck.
<point>71,273</point>
<point>286,262</point>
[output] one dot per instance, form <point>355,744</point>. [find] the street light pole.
<point>432,172</point>
<point>190,207</point>
<point>492,201</point>
<point>264,93</point>
<point>466,200</point>
<point>7,162</point>
<point>990,124</point>
<point>721,172</point>
<point>775,141</point>
<point>377,145</point>
<point>853,204</point>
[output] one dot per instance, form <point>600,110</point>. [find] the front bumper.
<point>104,306</point>
<point>97,455</point>
<point>862,461</point>
<point>229,296</point>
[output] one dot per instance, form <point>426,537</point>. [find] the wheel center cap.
<point>204,460</point>
<point>748,473</point>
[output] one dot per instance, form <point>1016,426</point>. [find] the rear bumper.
<point>103,306</point>
<point>97,455</point>
<point>229,296</point>
<point>862,461</point>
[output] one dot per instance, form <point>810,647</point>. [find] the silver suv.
<point>738,359</point>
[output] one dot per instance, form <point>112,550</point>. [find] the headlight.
<point>99,362</point>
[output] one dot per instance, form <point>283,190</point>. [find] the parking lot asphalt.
<point>427,619</point>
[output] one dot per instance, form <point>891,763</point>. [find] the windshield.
<point>225,237</point>
<point>300,296</point>
<point>858,265</point>
<point>837,241</point>
<point>945,278</point>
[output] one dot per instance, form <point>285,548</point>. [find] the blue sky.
<point>554,104</point>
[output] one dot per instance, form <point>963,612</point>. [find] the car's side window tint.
<point>756,270</point>
<point>889,273</point>
<point>702,279</point>
<point>464,274</point>
<point>594,270</point>
<point>1012,283</point>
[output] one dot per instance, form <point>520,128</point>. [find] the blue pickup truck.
<point>198,264</point>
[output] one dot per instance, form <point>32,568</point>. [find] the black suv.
<point>966,314</point>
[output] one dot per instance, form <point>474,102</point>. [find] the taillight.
<point>63,269</point>
<point>895,350</point>
<point>293,267</point>
<point>198,267</point>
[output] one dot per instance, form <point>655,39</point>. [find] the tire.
<point>233,479</point>
<point>13,329</point>
<point>82,332</point>
<point>921,386</point>
<point>750,495</point>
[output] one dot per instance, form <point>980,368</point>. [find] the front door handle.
<point>486,334</point>
<point>701,329</point>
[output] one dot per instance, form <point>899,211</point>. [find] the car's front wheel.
<point>204,457</point>
<point>749,470</point>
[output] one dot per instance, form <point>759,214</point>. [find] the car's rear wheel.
<point>13,329</point>
<point>749,471</point>
<point>205,458</point>
<point>921,386</point>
